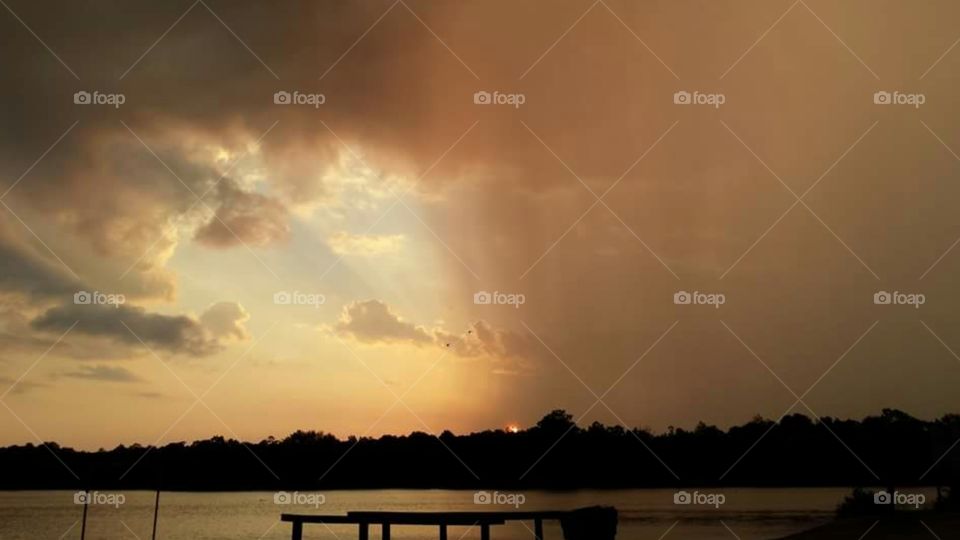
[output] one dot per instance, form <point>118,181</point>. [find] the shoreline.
<point>908,525</point>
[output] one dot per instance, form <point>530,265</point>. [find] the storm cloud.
<point>132,325</point>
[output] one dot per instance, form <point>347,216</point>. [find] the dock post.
<point>364,531</point>
<point>156,510</point>
<point>297,530</point>
<point>538,529</point>
<point>86,502</point>
<point>386,532</point>
<point>485,531</point>
<point>443,532</point>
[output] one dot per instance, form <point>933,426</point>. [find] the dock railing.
<point>484,520</point>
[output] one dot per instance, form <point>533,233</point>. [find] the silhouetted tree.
<point>554,453</point>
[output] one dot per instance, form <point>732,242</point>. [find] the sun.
<point>513,428</point>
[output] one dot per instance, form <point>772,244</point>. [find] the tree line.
<point>890,449</point>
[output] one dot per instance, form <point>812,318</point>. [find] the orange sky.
<point>378,214</point>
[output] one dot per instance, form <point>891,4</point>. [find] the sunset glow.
<point>478,223</point>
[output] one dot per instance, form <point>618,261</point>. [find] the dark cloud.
<point>14,386</point>
<point>130,325</point>
<point>134,326</point>
<point>483,338</point>
<point>372,321</point>
<point>241,217</point>
<point>19,339</point>
<point>104,373</point>
<point>200,99</point>
<point>512,353</point>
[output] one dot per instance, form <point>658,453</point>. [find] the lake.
<point>644,514</point>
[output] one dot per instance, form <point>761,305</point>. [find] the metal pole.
<point>83,526</point>
<point>156,510</point>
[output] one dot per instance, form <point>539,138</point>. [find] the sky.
<point>244,219</point>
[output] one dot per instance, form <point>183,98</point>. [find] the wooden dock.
<point>442,520</point>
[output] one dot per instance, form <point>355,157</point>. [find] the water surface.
<point>644,514</point>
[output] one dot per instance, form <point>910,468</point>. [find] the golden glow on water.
<point>751,512</point>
